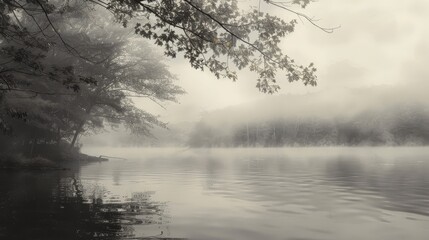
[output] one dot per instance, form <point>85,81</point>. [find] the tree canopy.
<point>210,34</point>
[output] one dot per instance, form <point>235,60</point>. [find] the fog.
<point>374,61</point>
<point>378,44</point>
<point>207,119</point>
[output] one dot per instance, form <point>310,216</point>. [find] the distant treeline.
<point>406,125</point>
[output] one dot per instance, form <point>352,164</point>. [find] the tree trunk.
<point>79,127</point>
<point>76,134</point>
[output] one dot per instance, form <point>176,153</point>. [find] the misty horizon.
<point>214,119</point>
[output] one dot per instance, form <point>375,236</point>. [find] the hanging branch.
<point>283,6</point>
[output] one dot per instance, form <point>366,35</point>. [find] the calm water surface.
<point>296,194</point>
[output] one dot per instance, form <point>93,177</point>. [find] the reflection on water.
<point>57,205</point>
<point>225,194</point>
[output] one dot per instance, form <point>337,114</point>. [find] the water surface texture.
<point>293,193</point>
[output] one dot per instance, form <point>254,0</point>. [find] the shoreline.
<point>39,163</point>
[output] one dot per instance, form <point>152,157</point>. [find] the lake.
<point>284,193</point>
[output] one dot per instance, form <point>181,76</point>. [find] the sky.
<point>379,43</point>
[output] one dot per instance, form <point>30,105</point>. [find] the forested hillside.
<point>315,120</point>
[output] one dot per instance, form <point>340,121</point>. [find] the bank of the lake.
<point>56,159</point>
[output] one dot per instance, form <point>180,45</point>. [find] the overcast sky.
<point>381,42</point>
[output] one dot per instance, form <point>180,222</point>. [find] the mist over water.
<point>110,130</point>
<point>377,116</point>
<point>287,193</point>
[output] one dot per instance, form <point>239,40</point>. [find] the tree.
<point>101,82</point>
<point>126,74</point>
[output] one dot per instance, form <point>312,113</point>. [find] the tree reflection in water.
<point>57,206</point>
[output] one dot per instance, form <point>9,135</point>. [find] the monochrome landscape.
<point>213,119</point>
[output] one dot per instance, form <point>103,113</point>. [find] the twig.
<point>309,19</point>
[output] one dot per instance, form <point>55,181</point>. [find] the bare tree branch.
<point>283,6</point>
